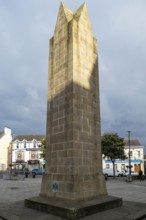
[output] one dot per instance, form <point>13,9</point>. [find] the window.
<point>34,144</point>
<point>122,166</point>
<point>107,166</point>
<point>138,153</point>
<point>19,156</point>
<point>33,156</point>
<point>17,144</point>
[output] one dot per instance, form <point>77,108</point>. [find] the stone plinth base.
<point>73,210</point>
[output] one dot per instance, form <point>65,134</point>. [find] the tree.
<point>43,148</point>
<point>113,147</point>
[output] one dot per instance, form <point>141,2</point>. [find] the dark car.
<point>38,171</point>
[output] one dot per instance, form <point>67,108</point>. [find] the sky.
<point>120,28</point>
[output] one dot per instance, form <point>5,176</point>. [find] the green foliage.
<point>113,146</point>
<point>43,148</point>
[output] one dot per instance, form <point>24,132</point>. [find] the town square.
<point>72,141</point>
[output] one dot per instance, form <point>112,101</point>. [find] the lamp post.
<point>129,152</point>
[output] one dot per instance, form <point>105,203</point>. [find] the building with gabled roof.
<point>5,141</point>
<point>136,157</point>
<point>26,151</point>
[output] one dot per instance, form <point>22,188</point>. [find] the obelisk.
<point>73,172</point>
<point>73,161</point>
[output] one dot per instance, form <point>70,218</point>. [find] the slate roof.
<point>37,137</point>
<point>133,143</point>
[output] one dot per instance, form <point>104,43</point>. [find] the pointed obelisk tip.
<point>64,13</point>
<point>80,12</point>
<point>61,4</point>
<point>82,6</point>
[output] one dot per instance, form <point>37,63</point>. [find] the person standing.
<point>140,174</point>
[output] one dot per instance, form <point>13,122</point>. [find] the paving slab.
<point>13,194</point>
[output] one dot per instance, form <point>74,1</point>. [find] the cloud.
<point>23,64</point>
<point>25,30</point>
<point>122,69</point>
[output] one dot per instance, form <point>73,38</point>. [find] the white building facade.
<point>26,152</point>
<point>136,157</point>
<point>5,141</point>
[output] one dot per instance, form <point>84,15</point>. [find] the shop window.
<point>122,166</point>
<point>107,166</point>
<point>33,156</point>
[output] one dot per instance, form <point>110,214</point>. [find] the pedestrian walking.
<point>26,174</point>
<point>140,174</point>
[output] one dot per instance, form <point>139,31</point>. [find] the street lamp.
<point>129,152</point>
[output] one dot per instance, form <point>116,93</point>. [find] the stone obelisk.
<point>73,171</point>
<point>73,161</point>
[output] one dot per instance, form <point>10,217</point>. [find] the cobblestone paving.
<point>18,190</point>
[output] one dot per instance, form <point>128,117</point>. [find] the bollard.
<point>129,178</point>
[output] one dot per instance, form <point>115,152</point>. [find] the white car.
<point>109,172</point>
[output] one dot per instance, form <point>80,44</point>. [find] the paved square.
<point>13,193</point>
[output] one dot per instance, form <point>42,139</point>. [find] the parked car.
<point>109,172</point>
<point>17,171</point>
<point>38,171</point>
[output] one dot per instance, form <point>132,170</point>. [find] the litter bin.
<point>106,176</point>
